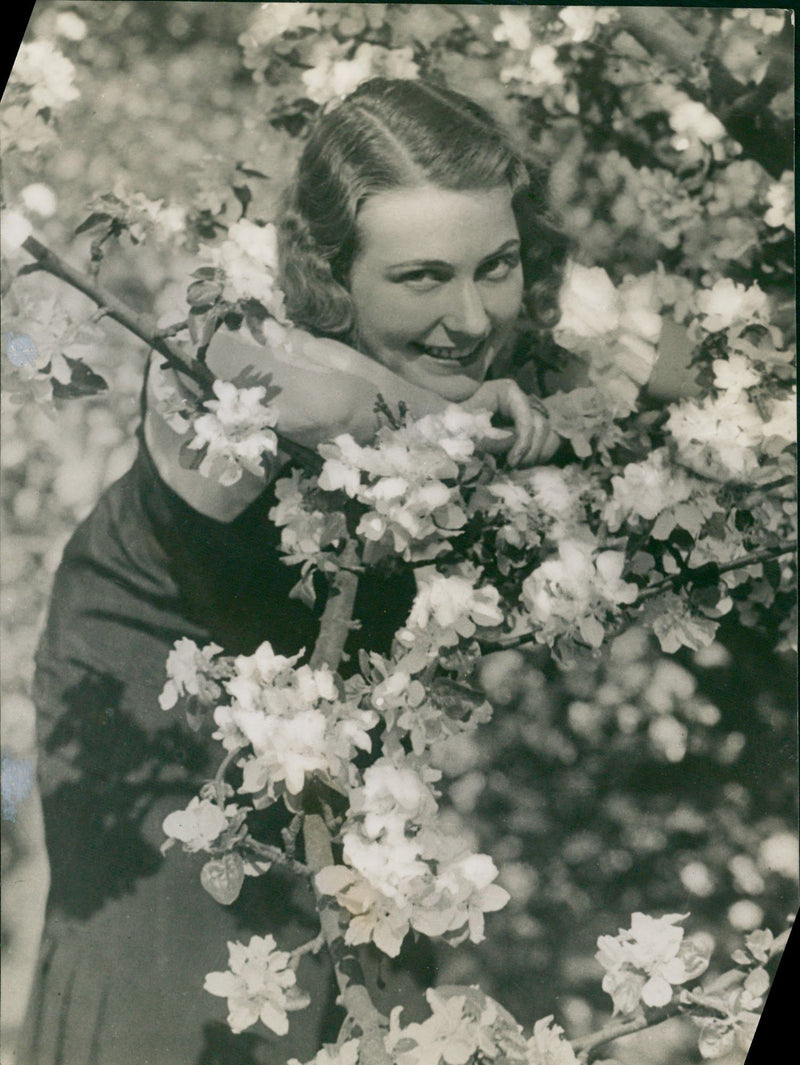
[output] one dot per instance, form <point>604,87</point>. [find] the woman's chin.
<point>455,389</point>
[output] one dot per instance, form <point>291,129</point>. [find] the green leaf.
<point>223,877</point>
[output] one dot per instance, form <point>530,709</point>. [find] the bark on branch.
<point>334,629</point>
<point>349,974</point>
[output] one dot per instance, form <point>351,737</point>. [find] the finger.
<point>519,410</point>
<point>538,437</point>
<point>497,446</point>
<point>544,446</point>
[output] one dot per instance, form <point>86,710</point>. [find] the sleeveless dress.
<point>130,933</point>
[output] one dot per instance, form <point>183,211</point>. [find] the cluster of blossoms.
<point>411,709</point>
<point>248,258</point>
<point>536,68</point>
<point>402,868</point>
<point>337,71</point>
<point>257,984</point>
<point>731,1023</point>
<point>408,481</point>
<point>748,419</point>
<point>644,963</point>
<point>271,23</point>
<point>42,83</point>
<point>291,718</point>
<point>125,211</point>
<point>235,433</point>
<point>576,593</point>
<point>466,1025</point>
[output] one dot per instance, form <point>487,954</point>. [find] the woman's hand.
<point>531,441</point>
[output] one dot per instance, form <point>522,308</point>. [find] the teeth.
<point>452,354</point>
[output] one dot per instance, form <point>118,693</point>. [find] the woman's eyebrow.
<point>514,242</point>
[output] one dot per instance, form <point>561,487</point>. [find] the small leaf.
<point>223,877</point>
<point>304,590</point>
<point>250,171</point>
<point>96,218</point>
<point>204,293</point>
<point>191,458</point>
<point>83,381</point>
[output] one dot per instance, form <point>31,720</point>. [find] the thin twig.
<point>584,1046</point>
<point>146,330</point>
<point>219,776</point>
<point>684,577</point>
<point>274,854</point>
<point>313,946</point>
<point>135,323</point>
<point>338,612</point>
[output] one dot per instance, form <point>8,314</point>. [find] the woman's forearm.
<point>324,387</point>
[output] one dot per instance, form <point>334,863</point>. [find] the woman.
<point>411,242</point>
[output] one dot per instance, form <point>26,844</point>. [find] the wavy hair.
<point>389,134</point>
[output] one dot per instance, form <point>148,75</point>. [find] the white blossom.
<point>589,304</point>
<point>236,434</point>
<point>332,76</point>
<point>691,120</point>
<point>728,303</point>
<point>188,668</point>
<point>199,825</point>
<point>645,962</point>
<point>582,21</point>
<point>515,28</point>
<point>255,985</point>
<point>780,198</point>
<point>39,199</point>
<point>249,258</point>
<point>46,73</point>
<point>291,720</point>
<point>573,592</point>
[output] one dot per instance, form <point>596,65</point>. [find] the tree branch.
<point>741,109</point>
<point>688,575</point>
<point>334,629</point>
<point>684,577</point>
<point>338,612</point>
<point>143,328</point>
<point>585,1046</point>
<point>349,974</point>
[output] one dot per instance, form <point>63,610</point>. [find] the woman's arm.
<point>324,388</point>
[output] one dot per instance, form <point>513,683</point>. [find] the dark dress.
<point>130,933</point>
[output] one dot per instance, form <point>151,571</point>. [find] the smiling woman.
<point>437,284</point>
<point>411,244</point>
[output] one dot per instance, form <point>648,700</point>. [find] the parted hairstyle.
<point>389,134</point>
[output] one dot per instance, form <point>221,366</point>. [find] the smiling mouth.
<point>460,356</point>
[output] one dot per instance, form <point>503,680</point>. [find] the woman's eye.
<point>421,280</point>
<point>499,269</point>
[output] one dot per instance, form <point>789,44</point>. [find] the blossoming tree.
<point>670,510</point>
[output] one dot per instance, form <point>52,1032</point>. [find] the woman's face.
<point>437,283</point>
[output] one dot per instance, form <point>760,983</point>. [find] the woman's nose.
<point>466,313</point>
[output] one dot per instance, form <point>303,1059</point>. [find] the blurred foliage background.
<point>633,782</point>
